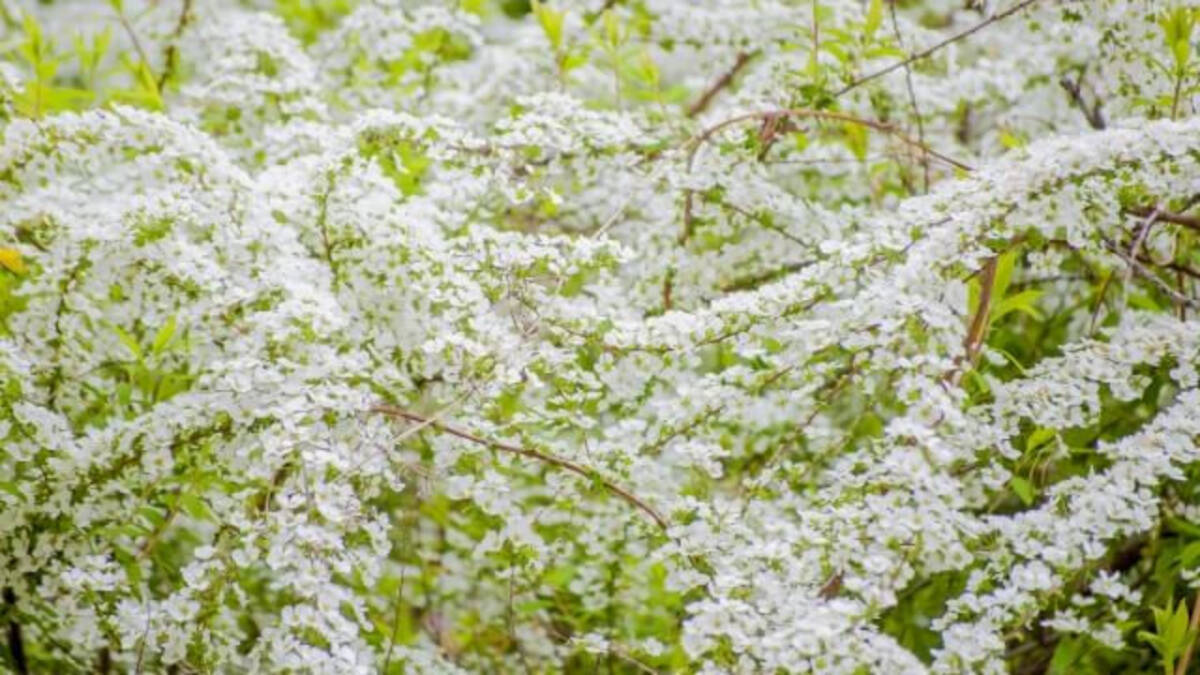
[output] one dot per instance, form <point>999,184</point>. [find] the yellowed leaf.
<point>10,259</point>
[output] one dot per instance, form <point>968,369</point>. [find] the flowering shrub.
<point>840,336</point>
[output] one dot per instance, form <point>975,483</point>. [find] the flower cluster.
<point>369,336</point>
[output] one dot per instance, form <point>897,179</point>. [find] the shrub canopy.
<point>840,336</point>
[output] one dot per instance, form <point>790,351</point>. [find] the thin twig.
<point>931,50</point>
<point>973,341</point>
<point>1189,221</point>
<point>387,659</point>
<point>701,104</point>
<point>559,462</point>
<point>1139,237</point>
<point>912,95</point>
<point>171,53</point>
<point>1093,115</point>
<point>1151,277</point>
<point>434,418</point>
<point>833,115</point>
<point>141,650</point>
<point>137,44</point>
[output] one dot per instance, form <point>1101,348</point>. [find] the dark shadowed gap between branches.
<point>16,643</point>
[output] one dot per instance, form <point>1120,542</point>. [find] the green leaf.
<point>1010,140</point>
<point>151,514</point>
<point>574,284</point>
<point>574,60</point>
<point>973,293</point>
<point>33,46</point>
<point>1004,269</point>
<point>1177,26</point>
<point>874,18</point>
<point>612,29</point>
<point>1021,302</point>
<point>66,98</point>
<point>1023,489</point>
<point>646,70</point>
<point>133,570</point>
<point>1183,527</point>
<point>128,340</point>
<point>551,21</point>
<point>1038,438</point>
<point>1189,555</point>
<point>1182,51</point>
<point>163,336</point>
<point>1178,628</point>
<point>857,139</point>
<point>1065,655</point>
<point>195,507</point>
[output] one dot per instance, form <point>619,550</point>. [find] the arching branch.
<point>634,500</point>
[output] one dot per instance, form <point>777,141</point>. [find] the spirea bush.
<point>638,336</point>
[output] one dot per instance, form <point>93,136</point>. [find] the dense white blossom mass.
<point>751,336</point>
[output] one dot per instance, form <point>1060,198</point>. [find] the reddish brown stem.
<point>392,411</point>
<point>1186,220</point>
<point>701,104</point>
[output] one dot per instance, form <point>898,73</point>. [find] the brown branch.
<point>133,37</point>
<point>931,50</point>
<point>701,104</point>
<point>1151,277</point>
<point>392,411</point>
<point>1186,220</point>
<point>832,115</point>
<point>1140,236</point>
<point>1093,115</point>
<point>1174,267</point>
<point>973,341</point>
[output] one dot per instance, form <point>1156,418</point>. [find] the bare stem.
<point>171,53</point>
<point>978,329</point>
<point>701,104</point>
<point>392,411</point>
<point>1189,221</point>
<point>912,96</point>
<point>925,53</point>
